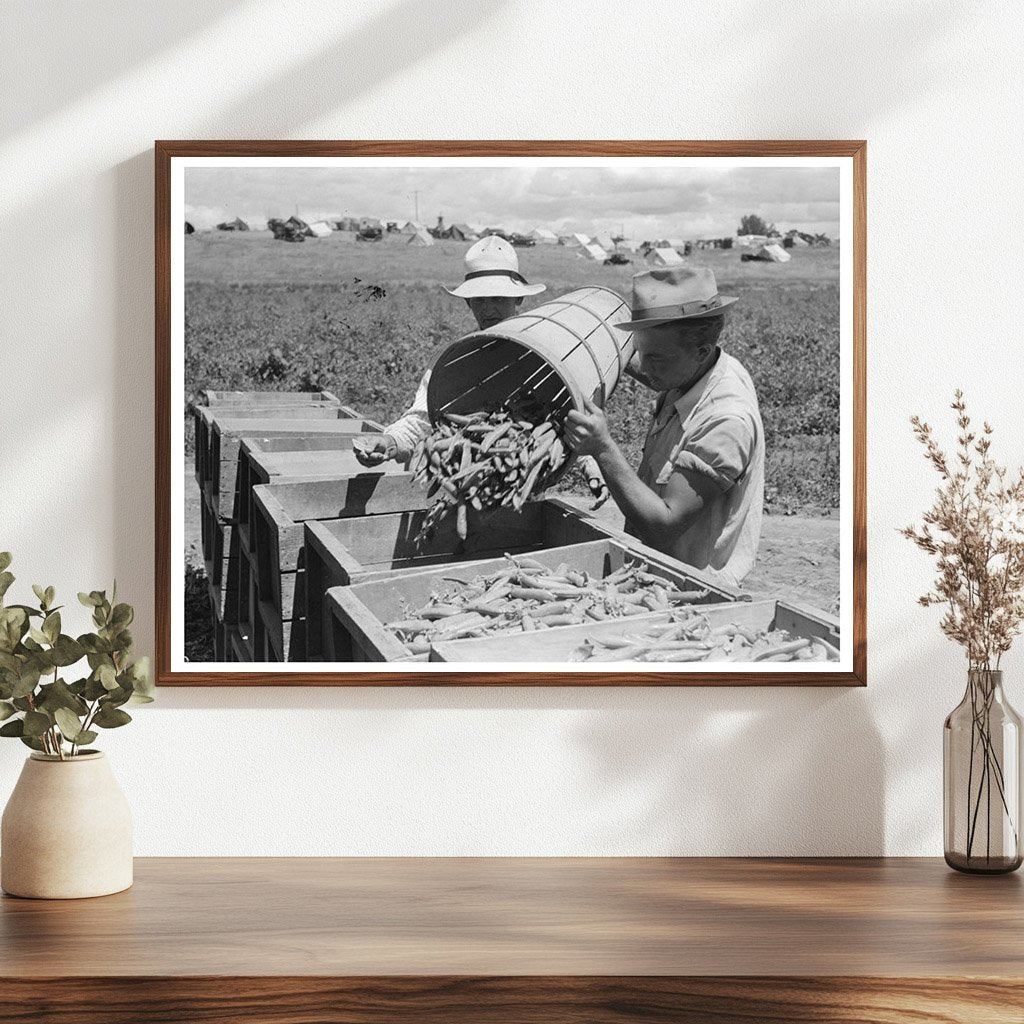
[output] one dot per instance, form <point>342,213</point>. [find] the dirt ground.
<point>798,559</point>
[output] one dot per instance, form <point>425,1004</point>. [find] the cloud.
<point>639,201</point>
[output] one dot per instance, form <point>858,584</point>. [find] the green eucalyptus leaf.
<point>13,626</point>
<point>59,695</point>
<point>5,560</point>
<point>36,723</point>
<point>6,579</point>
<point>115,698</point>
<point>88,600</point>
<point>142,676</point>
<point>51,626</point>
<point>107,676</point>
<point>94,644</point>
<point>67,651</point>
<point>27,681</point>
<point>9,663</point>
<point>38,636</point>
<point>86,736</point>
<point>111,718</point>
<point>22,703</point>
<point>30,612</point>
<point>31,741</point>
<point>40,593</point>
<point>122,616</point>
<point>13,728</point>
<point>6,710</point>
<point>69,724</point>
<point>50,595</point>
<point>94,689</point>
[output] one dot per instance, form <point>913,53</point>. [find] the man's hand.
<point>594,481</point>
<point>587,432</point>
<point>373,450</point>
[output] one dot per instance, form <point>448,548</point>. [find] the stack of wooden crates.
<point>308,553</point>
<point>243,439</point>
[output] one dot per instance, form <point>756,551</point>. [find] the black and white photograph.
<point>457,414</point>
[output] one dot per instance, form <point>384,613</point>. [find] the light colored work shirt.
<point>414,424</point>
<point>713,429</point>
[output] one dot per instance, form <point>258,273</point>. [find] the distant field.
<point>365,319</point>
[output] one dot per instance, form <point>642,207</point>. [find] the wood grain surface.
<point>166,150</point>
<point>523,939</point>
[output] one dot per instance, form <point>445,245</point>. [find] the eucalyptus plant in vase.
<point>66,830</point>
<point>975,531</point>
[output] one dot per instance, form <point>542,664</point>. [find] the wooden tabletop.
<point>505,918</point>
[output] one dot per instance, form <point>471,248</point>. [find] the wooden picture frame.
<point>171,158</point>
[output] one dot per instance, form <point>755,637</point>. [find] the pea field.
<point>364,319</point>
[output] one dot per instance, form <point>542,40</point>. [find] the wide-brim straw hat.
<point>492,269</point>
<point>668,294</point>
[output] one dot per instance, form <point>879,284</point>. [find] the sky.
<point>635,201</point>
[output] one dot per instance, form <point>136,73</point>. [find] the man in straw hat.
<point>699,491</point>
<point>494,290</point>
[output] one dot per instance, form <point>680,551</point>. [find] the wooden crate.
<point>254,401</point>
<point>260,399</point>
<point>350,551</point>
<point>220,466</point>
<point>556,645</point>
<point>357,613</point>
<point>256,466</point>
<point>280,511</point>
<point>239,646</point>
<point>275,641</point>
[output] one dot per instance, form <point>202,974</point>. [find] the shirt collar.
<point>685,402</point>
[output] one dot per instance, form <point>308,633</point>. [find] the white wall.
<point>937,90</point>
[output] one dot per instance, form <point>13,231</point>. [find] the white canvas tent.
<point>774,253</point>
<point>544,237</point>
<point>579,239</point>
<point>593,251</point>
<point>628,245</point>
<point>604,241</point>
<point>664,258</point>
<point>676,243</point>
<point>797,242</point>
<point>421,238</point>
<point>412,227</point>
<point>319,229</point>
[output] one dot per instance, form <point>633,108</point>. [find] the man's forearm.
<point>654,520</point>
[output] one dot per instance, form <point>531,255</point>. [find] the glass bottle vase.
<point>981,774</point>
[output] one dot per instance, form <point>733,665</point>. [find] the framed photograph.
<point>492,413</point>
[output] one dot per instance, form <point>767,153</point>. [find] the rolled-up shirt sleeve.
<point>719,448</point>
<point>414,424</point>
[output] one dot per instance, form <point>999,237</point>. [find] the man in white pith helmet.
<point>699,491</point>
<point>494,290</point>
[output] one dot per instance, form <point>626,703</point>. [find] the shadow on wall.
<point>816,56</point>
<point>739,772</point>
<point>113,34</point>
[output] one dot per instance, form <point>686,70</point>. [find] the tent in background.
<point>593,251</point>
<point>318,229</point>
<point>664,258</point>
<point>544,237</point>
<point>421,238</point>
